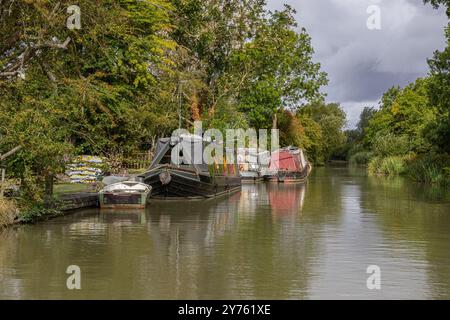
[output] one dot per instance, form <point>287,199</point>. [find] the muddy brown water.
<point>266,242</point>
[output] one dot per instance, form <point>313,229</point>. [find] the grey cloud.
<point>363,64</point>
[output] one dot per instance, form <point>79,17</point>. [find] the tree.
<point>274,70</point>
<point>330,119</point>
<point>28,32</point>
<point>408,113</point>
<point>89,97</point>
<point>437,3</point>
<point>439,89</point>
<point>364,119</point>
<point>210,31</point>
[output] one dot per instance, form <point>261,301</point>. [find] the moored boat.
<point>288,165</point>
<point>125,195</point>
<point>253,164</point>
<point>184,178</point>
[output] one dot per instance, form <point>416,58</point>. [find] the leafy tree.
<point>437,3</point>
<point>113,86</point>
<point>408,114</point>
<point>210,31</point>
<point>355,149</point>
<point>87,95</point>
<point>292,133</point>
<point>247,62</point>
<point>275,70</point>
<point>439,89</point>
<point>330,120</point>
<point>364,119</point>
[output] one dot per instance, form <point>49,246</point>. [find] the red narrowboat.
<point>288,165</point>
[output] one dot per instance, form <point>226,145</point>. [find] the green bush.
<point>360,158</point>
<point>386,145</point>
<point>37,212</point>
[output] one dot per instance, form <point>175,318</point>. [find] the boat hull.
<point>172,183</point>
<point>290,177</point>
<point>124,200</point>
<point>250,180</point>
<point>249,177</point>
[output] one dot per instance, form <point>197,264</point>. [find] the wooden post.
<point>48,192</point>
<point>2,186</point>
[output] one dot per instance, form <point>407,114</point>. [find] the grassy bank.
<point>432,168</point>
<point>13,213</point>
<point>22,211</point>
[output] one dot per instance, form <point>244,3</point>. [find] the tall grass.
<point>430,169</point>
<point>8,212</point>
<point>389,166</point>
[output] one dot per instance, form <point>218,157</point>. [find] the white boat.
<point>126,194</point>
<point>253,164</point>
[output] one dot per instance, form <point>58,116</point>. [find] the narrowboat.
<point>125,195</point>
<point>288,165</point>
<point>176,173</point>
<point>253,164</point>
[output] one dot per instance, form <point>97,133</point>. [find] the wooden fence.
<point>140,161</point>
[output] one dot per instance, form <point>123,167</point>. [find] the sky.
<point>362,63</point>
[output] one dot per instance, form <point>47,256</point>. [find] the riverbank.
<point>11,214</point>
<point>429,169</point>
<point>425,169</point>
<point>71,197</point>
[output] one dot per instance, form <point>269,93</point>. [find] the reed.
<point>8,212</point>
<point>424,170</point>
<point>389,166</point>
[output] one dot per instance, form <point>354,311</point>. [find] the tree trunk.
<point>49,181</point>
<point>275,121</point>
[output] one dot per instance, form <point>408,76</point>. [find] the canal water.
<point>267,242</point>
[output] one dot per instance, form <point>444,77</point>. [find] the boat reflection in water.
<point>123,217</point>
<point>199,221</point>
<point>286,199</point>
<point>282,199</point>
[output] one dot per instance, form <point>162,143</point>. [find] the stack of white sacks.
<point>86,169</point>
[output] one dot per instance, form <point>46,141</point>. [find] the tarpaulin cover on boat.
<point>162,147</point>
<point>288,160</point>
<point>188,146</point>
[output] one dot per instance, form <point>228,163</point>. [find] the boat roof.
<point>165,145</point>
